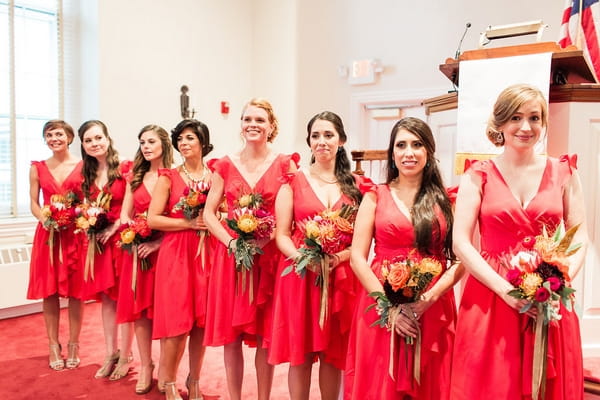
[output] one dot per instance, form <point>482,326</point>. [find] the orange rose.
<point>398,275</point>
<point>127,236</point>
<point>193,199</point>
<point>343,225</point>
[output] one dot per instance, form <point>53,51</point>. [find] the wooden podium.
<point>574,128</point>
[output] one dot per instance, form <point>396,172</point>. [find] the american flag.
<point>584,35</point>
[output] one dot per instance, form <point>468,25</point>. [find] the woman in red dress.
<point>182,272</point>
<point>408,216</point>
<point>54,271</point>
<point>509,198</point>
<point>136,294</point>
<point>241,309</point>
<point>103,177</point>
<point>297,336</point>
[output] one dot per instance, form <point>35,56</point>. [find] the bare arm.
<point>574,213</point>
<point>211,210</point>
<point>361,244</point>
<point>34,194</point>
<point>284,212</point>
<point>127,206</point>
<point>160,199</point>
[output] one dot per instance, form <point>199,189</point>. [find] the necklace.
<point>190,177</point>
<point>313,172</point>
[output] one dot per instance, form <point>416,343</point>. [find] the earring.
<point>427,164</point>
<point>340,149</point>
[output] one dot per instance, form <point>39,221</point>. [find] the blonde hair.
<point>507,104</point>
<point>265,105</point>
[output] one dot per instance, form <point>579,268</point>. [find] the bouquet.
<point>405,278</point>
<point>191,204</point>
<point>539,270</point>
<point>60,214</point>
<point>252,222</point>
<point>133,234</point>
<point>92,218</point>
<point>325,234</point>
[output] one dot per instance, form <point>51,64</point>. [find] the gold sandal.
<point>122,368</point>
<point>56,361</point>
<point>107,366</point>
<point>171,388</point>
<point>189,383</point>
<point>73,360</point>
<point>143,386</point>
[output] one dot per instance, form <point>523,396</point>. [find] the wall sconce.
<point>512,30</point>
<point>184,103</point>
<point>361,72</point>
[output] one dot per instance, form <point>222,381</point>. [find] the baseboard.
<point>26,309</point>
<point>591,387</point>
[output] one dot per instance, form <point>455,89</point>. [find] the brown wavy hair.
<point>90,164</point>
<point>141,165</point>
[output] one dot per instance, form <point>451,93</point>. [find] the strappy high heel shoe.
<point>107,366</point>
<point>56,361</point>
<point>195,383</point>
<point>171,388</point>
<point>144,384</point>
<point>160,385</point>
<point>73,360</point>
<point>122,368</point>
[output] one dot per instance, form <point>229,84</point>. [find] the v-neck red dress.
<point>296,331</point>
<point>230,312</point>
<point>494,344</point>
<point>66,278</point>
<point>366,375</point>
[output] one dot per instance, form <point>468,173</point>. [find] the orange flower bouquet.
<point>60,214</point>
<point>251,221</point>
<point>92,218</point>
<point>131,236</point>
<point>191,204</point>
<point>539,270</point>
<point>325,234</point>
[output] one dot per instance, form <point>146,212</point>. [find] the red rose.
<point>554,283</point>
<point>541,295</point>
<point>514,277</point>
<point>529,242</point>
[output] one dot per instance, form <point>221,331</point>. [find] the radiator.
<point>14,277</point>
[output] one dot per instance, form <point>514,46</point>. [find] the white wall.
<point>287,51</point>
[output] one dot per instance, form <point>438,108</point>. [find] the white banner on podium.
<point>480,83</point>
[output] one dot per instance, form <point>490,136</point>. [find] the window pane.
<point>5,152</point>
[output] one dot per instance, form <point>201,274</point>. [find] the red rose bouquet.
<point>325,234</point>
<point>251,221</point>
<point>60,214</point>
<point>404,279</point>
<point>92,218</point>
<point>193,199</point>
<point>539,270</point>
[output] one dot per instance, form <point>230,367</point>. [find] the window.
<point>30,93</point>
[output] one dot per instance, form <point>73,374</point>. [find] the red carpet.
<point>26,375</point>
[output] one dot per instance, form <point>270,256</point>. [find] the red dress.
<point>367,376</point>
<point>107,266</point>
<point>494,345</point>
<point>296,330</point>
<point>231,314</point>
<point>130,305</point>
<point>181,281</point>
<point>66,278</point>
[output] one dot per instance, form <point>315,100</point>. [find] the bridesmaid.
<point>54,271</point>
<point>233,316</point>
<point>181,276</point>
<point>136,298</point>
<point>410,216</point>
<point>298,337</point>
<point>102,173</point>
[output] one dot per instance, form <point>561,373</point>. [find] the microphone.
<point>457,54</point>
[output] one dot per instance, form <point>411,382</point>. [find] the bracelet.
<point>229,244</point>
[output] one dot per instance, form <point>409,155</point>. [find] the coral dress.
<point>66,278</point>
<point>181,281</point>
<point>131,305</point>
<point>296,330</point>
<point>367,372</point>
<point>494,343</point>
<point>230,312</point>
<point>107,266</point>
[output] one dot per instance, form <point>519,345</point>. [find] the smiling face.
<point>188,144</point>
<point>256,126</point>
<point>324,140</point>
<point>525,127</point>
<point>409,153</point>
<point>151,146</point>
<point>94,142</point>
<point>57,139</point>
